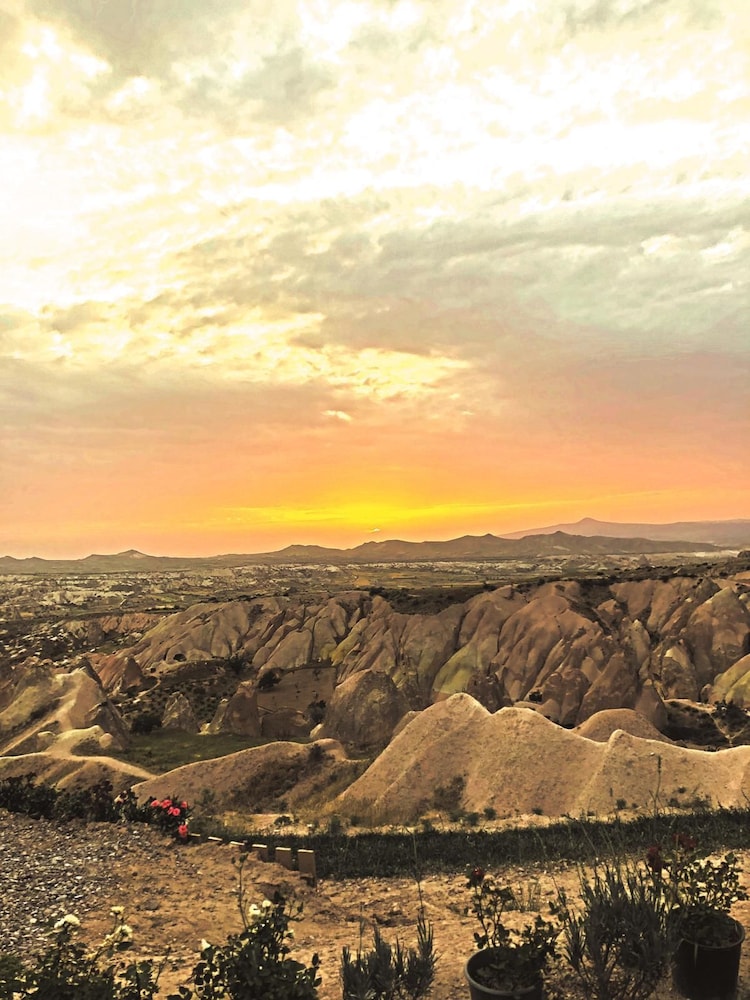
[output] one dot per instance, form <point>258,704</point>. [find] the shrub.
<point>170,815</point>
<point>95,803</point>
<point>616,942</point>
<point>335,827</point>
<point>390,972</point>
<point>145,722</point>
<point>256,962</point>
<point>21,794</point>
<point>67,971</point>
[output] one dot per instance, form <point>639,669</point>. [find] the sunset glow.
<point>357,271</point>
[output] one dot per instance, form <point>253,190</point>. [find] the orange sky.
<point>256,291</point>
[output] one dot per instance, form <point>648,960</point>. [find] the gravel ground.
<point>48,870</point>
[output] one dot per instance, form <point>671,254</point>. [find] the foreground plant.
<point>615,937</point>
<point>390,972</point>
<point>698,891</point>
<point>255,964</point>
<point>514,960</point>
<point>69,971</point>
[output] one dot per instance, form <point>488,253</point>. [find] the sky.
<point>323,271</point>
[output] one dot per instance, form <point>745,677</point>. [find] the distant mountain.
<point>120,562</point>
<point>733,534</point>
<point>468,547</point>
<point>494,547</point>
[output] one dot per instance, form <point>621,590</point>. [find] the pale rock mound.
<point>601,726</point>
<point>45,699</point>
<point>365,710</point>
<point>519,763</point>
<point>179,714</point>
<point>733,685</point>
<point>238,714</point>
<point>256,779</point>
<point>59,768</point>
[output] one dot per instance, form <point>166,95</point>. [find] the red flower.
<point>155,804</point>
<point>182,831</point>
<point>173,812</point>
<point>183,805</point>
<point>654,859</point>
<point>477,876</point>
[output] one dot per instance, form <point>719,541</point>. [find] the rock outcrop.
<point>365,710</point>
<point>179,714</point>
<point>48,700</point>
<point>572,648</point>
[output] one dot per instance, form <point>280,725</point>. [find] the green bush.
<point>145,722</point>
<point>390,972</point>
<point>616,940</point>
<point>256,962</point>
<point>68,971</point>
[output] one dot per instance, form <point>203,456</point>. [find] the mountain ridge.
<point>733,533</point>
<point>551,541</point>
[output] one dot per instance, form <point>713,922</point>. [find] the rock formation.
<point>518,763</point>
<point>570,648</point>
<point>178,714</point>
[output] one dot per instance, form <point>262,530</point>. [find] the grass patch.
<point>376,854</point>
<point>164,749</point>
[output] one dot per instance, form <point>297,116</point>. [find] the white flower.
<point>266,904</point>
<point>253,911</point>
<point>204,945</point>
<point>117,911</point>
<point>69,920</point>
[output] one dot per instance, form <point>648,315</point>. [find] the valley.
<point>202,673</point>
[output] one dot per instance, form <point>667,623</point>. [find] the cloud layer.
<point>461,259</point>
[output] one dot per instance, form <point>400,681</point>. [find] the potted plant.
<point>508,963</point>
<point>707,939</point>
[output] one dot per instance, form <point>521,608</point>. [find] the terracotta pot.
<point>708,972</point>
<point>478,991</point>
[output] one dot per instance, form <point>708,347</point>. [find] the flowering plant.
<point>519,956</point>
<point>69,971</point>
<point>699,891</point>
<point>171,815</point>
<point>256,962</point>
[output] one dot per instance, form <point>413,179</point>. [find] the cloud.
<point>601,15</point>
<point>392,234</point>
<point>136,37</point>
<point>281,90</point>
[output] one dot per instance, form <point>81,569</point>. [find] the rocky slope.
<point>355,669</point>
<point>570,648</point>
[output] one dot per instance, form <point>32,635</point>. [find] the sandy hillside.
<point>518,763</point>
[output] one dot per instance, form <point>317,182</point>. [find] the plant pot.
<point>708,972</point>
<point>478,991</point>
